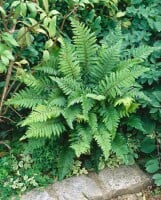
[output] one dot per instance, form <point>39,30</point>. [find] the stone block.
<point>76,188</point>
<point>122,180</point>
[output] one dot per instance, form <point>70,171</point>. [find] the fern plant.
<point>81,94</point>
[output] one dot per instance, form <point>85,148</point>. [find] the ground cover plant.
<point>69,71</point>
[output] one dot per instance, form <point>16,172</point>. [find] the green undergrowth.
<point>79,89</point>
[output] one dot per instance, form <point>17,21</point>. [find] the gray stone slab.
<point>80,188</point>
<point>37,195</point>
<point>106,185</point>
<point>122,180</point>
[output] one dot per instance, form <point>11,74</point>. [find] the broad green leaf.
<point>157,179</point>
<point>2,11</point>
<point>152,165</point>
<point>23,8</point>
<point>48,44</point>
<point>29,38</point>
<point>9,39</point>
<point>2,68</point>
<point>32,8</point>
<point>21,36</point>
<point>120,14</point>
<point>3,47</point>
<point>4,60</point>
<point>52,27</point>
<point>54,12</point>
<point>15,3</point>
<point>46,22</point>
<point>46,5</point>
<point>40,30</point>
<point>46,55</point>
<point>8,54</point>
<point>148,145</point>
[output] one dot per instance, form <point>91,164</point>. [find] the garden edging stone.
<point>109,183</point>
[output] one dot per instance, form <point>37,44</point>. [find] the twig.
<point>67,15</point>
<point>1,142</point>
<point>9,72</point>
<point>7,119</point>
<point>15,111</point>
<point>16,89</point>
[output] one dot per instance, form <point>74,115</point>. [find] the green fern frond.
<point>85,43</point>
<point>74,98</point>
<point>111,120</point>
<point>70,114</point>
<point>27,98</point>
<point>80,141</point>
<point>93,122</point>
<point>108,58</point>
<point>111,86</point>
<point>47,70</point>
<point>57,98</point>
<point>68,63</point>
<point>87,105</point>
<point>128,64</point>
<point>34,144</point>
<point>118,81</point>
<point>67,85</point>
<point>143,51</point>
<point>28,79</point>
<point>103,139</point>
<point>135,122</point>
<point>65,163</point>
<point>49,67</point>
<point>120,148</point>
<point>42,113</point>
<point>45,129</point>
<point>113,36</point>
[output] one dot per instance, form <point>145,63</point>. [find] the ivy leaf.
<point>157,179</point>
<point>152,165</point>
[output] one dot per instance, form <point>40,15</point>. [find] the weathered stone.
<point>80,188</point>
<point>38,195</point>
<point>122,180</point>
<point>108,184</point>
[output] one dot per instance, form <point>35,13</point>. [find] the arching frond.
<point>68,62</point>
<point>27,98</point>
<point>85,43</point>
<point>45,129</point>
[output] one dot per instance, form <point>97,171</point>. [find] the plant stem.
<point>5,89</point>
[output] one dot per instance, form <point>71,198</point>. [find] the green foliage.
<point>144,29</point>
<point>82,96</point>
<point>77,105</point>
<point>19,174</point>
